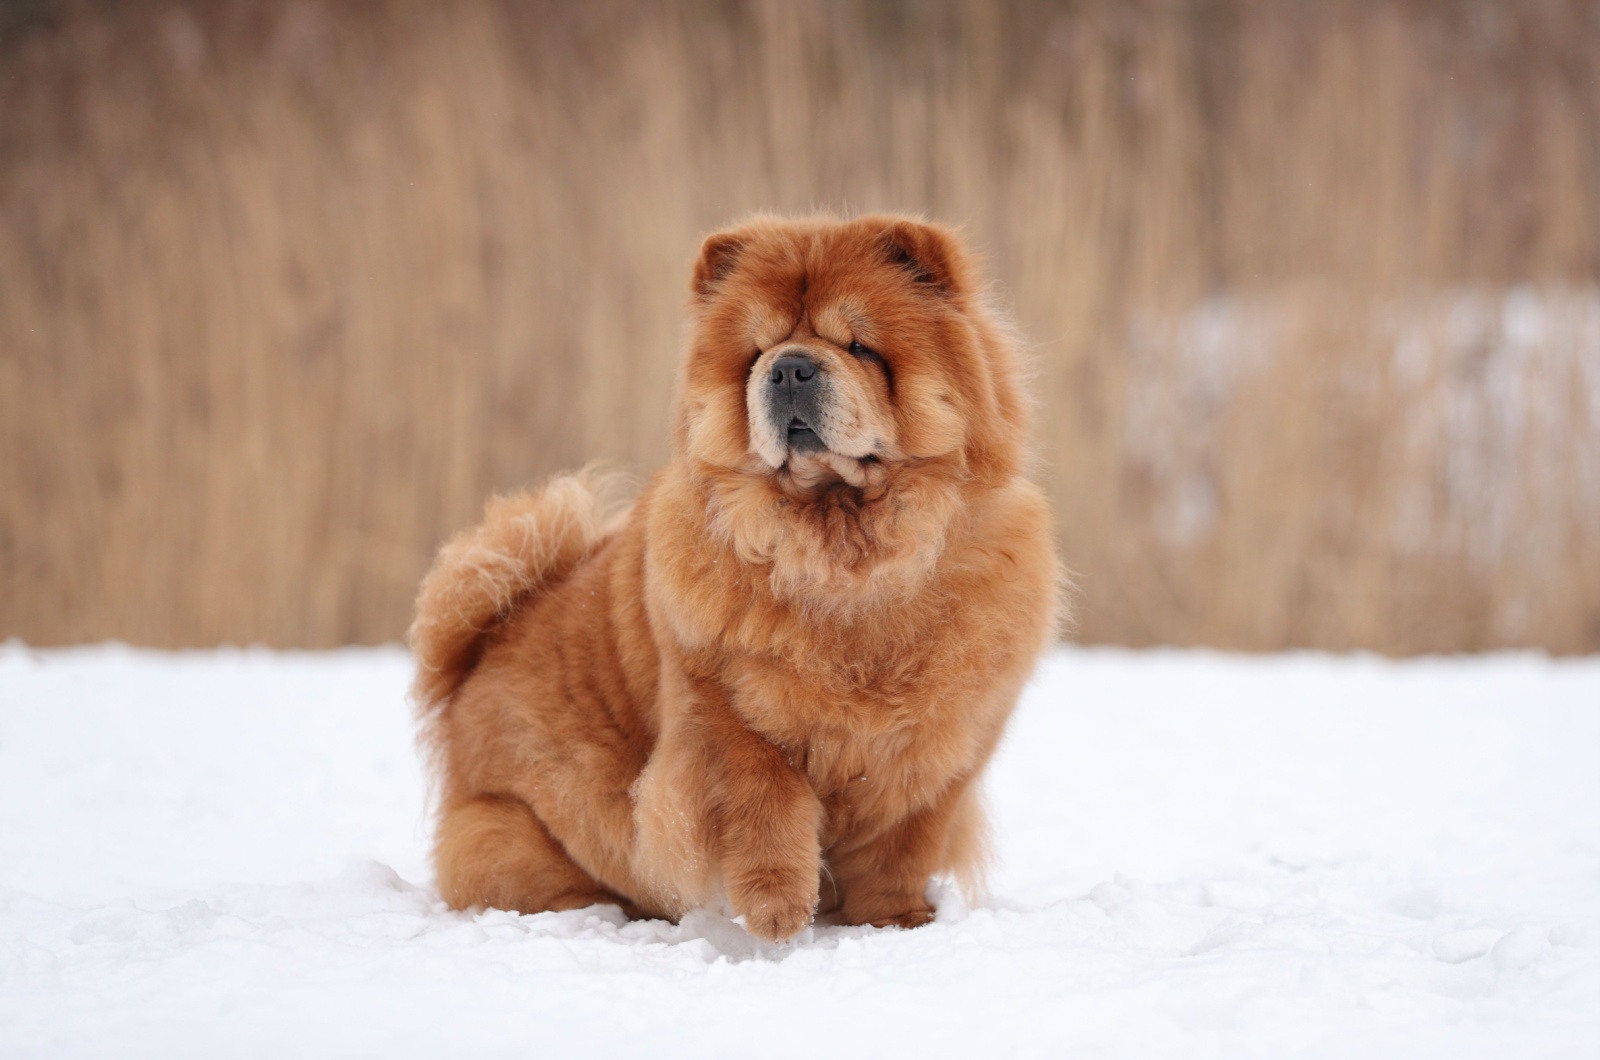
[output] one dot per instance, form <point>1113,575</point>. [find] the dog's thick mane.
<point>850,548</point>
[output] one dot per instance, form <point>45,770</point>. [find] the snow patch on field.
<point>223,853</point>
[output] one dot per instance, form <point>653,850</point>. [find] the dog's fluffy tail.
<point>527,541</point>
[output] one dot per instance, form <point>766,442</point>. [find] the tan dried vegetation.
<point>287,289</point>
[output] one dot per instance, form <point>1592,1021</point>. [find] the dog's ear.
<point>718,256</point>
<point>930,255</point>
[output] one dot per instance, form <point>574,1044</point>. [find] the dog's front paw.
<point>776,906</point>
<point>777,925</point>
<point>904,913</point>
<point>911,918</point>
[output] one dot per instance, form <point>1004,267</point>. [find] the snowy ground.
<point>222,854</point>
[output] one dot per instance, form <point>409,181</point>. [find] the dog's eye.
<point>870,356</point>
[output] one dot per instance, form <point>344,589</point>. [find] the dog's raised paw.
<point>777,919</point>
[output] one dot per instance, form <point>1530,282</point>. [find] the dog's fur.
<point>774,681</point>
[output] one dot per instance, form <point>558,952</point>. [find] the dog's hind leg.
<point>493,851</point>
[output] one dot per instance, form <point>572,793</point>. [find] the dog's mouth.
<point>807,464</point>
<point>802,438</point>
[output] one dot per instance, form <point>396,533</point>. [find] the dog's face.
<point>826,352</point>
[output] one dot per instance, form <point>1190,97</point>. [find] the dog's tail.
<point>527,541</point>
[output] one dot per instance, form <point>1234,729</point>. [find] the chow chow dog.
<point>771,683</point>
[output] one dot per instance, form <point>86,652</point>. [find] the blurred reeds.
<point>287,288</point>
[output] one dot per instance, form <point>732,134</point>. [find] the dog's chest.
<point>835,712</point>
<point>866,784</point>
<point>863,745</point>
<point>877,728</point>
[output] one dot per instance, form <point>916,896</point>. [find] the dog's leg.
<point>768,820</point>
<point>883,878</point>
<point>717,796</point>
<point>493,851</point>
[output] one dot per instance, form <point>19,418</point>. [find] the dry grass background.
<point>287,288</point>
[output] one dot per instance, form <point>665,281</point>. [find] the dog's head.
<point>845,386</point>
<point>843,353</point>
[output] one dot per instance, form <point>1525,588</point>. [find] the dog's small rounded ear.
<point>930,255</point>
<point>718,256</point>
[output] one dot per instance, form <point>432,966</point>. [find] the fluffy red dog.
<point>775,679</point>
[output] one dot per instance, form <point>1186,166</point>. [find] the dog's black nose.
<point>792,373</point>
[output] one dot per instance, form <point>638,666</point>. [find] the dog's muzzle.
<point>794,401</point>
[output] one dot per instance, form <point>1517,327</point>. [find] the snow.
<point>223,853</point>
